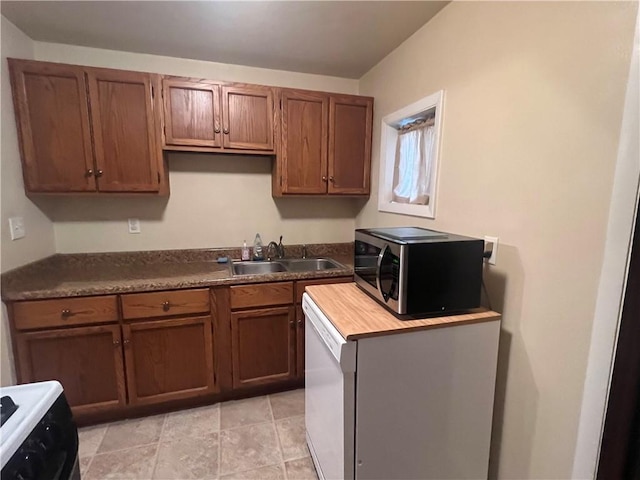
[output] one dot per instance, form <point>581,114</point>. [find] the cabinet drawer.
<point>301,285</point>
<point>163,304</point>
<point>261,295</point>
<point>64,312</point>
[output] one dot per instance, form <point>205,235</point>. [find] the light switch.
<point>16,226</point>
<point>134,225</point>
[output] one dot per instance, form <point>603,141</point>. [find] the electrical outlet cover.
<point>16,227</point>
<point>494,251</point>
<point>134,225</point>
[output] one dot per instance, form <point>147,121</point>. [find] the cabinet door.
<point>87,361</point>
<point>263,347</point>
<point>52,115</point>
<point>303,156</point>
<point>192,113</point>
<point>350,120</point>
<point>168,359</point>
<point>122,114</point>
<point>247,112</point>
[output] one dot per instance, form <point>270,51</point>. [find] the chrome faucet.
<point>278,247</point>
<point>304,251</point>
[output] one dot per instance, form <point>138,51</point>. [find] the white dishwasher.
<point>414,405</point>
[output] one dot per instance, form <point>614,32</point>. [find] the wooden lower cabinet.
<point>168,359</point>
<point>86,360</point>
<point>166,346</point>
<point>263,346</point>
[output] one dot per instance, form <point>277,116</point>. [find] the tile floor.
<point>255,438</point>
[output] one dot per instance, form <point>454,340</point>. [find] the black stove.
<point>38,437</point>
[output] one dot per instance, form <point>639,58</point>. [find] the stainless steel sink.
<point>284,265</point>
<point>256,268</point>
<point>310,264</point>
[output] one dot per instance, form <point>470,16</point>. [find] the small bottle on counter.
<point>257,248</point>
<point>245,252</point>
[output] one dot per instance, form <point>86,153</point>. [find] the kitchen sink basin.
<point>310,264</point>
<point>256,268</point>
<point>285,265</point>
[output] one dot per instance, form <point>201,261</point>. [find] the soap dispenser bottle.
<point>257,248</point>
<point>245,252</point>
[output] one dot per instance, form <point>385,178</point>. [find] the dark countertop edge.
<point>12,291</point>
<point>158,284</point>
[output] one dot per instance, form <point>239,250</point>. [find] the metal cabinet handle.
<point>300,323</point>
<point>99,173</point>
<point>116,343</point>
<point>166,306</point>
<point>66,313</point>
<point>89,173</point>
<point>126,341</point>
<point>216,130</point>
<point>331,179</point>
<point>226,131</point>
<point>324,179</point>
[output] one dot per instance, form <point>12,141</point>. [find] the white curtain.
<point>412,173</point>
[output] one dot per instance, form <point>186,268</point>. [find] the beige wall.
<point>533,105</point>
<point>215,200</point>
<point>39,241</point>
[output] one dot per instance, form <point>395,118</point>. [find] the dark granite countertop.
<point>71,275</point>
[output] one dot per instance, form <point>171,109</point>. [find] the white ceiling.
<point>337,38</point>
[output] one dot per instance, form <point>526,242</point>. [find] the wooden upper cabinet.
<point>303,153</point>
<point>325,144</point>
<point>247,112</point>
<point>87,129</point>
<point>192,113</point>
<point>124,129</point>
<point>52,116</point>
<point>350,122</point>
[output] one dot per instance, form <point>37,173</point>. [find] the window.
<point>409,150</point>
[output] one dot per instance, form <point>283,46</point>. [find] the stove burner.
<point>7,408</point>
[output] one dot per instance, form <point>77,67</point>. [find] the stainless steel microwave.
<point>418,272</point>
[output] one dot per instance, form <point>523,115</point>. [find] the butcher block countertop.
<point>357,315</point>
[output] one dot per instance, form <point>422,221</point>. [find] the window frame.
<point>388,140</point>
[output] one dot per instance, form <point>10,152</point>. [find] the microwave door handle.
<point>381,255</point>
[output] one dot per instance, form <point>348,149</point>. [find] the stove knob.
<point>37,448</point>
<point>31,465</point>
<point>52,435</point>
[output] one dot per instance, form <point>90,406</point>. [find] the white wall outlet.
<point>491,245</point>
<point>16,227</point>
<point>134,225</point>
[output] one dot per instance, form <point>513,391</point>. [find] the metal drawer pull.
<point>166,306</point>
<point>66,313</point>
